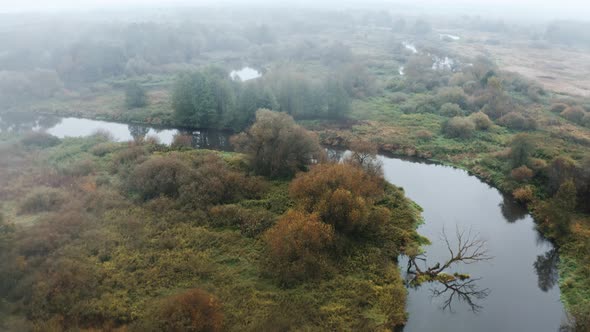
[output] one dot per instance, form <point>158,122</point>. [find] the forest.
<point>278,233</point>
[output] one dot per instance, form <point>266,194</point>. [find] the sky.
<point>545,9</point>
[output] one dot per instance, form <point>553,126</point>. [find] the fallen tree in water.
<point>469,249</point>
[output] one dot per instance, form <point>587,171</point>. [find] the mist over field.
<point>531,10</point>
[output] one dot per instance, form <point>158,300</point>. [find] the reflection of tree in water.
<point>460,291</point>
<point>209,139</point>
<point>335,155</point>
<point>546,269</point>
<point>468,248</point>
<point>18,122</point>
<point>47,121</point>
<point>138,132</point>
<point>511,210</point>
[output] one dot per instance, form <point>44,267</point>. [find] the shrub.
<point>521,173</point>
<point>424,135</point>
<point>213,182</point>
<point>182,141</point>
<point>276,146</point>
<point>129,155</point>
<point>454,95</point>
<point>481,120</point>
<point>558,107</point>
<point>398,97</point>
<point>40,139</point>
<point>193,310</point>
<point>586,120</point>
<point>521,149</point>
<point>451,110</point>
<point>517,121</point>
<point>135,95</point>
<point>341,194</point>
<point>364,154</point>
<point>573,114</point>
<point>42,200</point>
<point>459,127</point>
<point>524,194</point>
<point>298,247</point>
<point>79,168</point>
<point>102,149</point>
<point>159,176</point>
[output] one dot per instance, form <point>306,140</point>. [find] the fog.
<point>523,9</point>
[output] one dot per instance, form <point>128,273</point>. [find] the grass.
<point>126,255</point>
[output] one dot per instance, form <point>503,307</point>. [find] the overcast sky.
<point>546,9</point>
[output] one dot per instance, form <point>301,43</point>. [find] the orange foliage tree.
<point>342,194</point>
<point>194,310</point>
<point>298,246</point>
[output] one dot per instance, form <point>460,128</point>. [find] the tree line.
<point>210,98</point>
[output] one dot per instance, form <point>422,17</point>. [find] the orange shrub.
<point>524,194</point>
<point>298,246</point>
<point>310,189</point>
<point>522,173</point>
<point>574,114</point>
<point>194,310</point>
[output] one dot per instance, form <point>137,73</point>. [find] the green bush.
<point>459,127</point>
<point>102,149</point>
<point>79,168</point>
<point>517,121</point>
<point>450,110</point>
<point>135,95</point>
<point>481,120</point>
<point>40,139</point>
<point>558,107</point>
<point>574,114</point>
<point>159,176</point>
<point>42,200</point>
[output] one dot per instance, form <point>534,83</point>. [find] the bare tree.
<point>470,248</point>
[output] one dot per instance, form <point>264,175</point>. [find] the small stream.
<point>514,291</point>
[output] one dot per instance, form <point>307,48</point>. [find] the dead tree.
<point>469,249</point>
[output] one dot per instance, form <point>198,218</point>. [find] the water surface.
<point>245,74</point>
<point>519,282</point>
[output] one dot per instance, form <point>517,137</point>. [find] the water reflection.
<point>546,269</point>
<point>512,210</point>
<point>74,127</point>
<point>460,291</point>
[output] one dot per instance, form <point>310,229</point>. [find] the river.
<point>514,291</point>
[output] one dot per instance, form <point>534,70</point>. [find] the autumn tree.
<point>276,146</point>
<point>364,154</point>
<point>298,246</point>
<point>342,195</point>
<point>193,310</point>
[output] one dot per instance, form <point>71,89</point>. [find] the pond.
<point>76,127</point>
<point>516,290</point>
<point>245,74</point>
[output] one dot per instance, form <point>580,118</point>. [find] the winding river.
<point>516,290</point>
